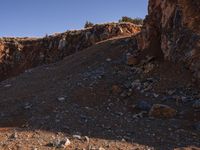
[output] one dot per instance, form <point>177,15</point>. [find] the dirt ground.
<point>93,99</point>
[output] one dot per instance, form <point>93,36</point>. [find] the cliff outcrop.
<point>19,54</point>
<point>172,30</point>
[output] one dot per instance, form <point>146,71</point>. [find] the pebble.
<point>27,106</point>
<point>77,137</point>
<point>101,148</point>
<point>60,143</point>
<point>171,92</point>
<point>14,136</point>
<point>87,139</point>
<point>7,85</point>
<point>139,115</point>
<point>156,95</point>
<point>61,99</point>
<point>148,68</point>
<point>65,143</point>
<point>108,59</point>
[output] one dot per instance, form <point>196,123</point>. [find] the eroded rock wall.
<point>172,30</point>
<point>19,54</point>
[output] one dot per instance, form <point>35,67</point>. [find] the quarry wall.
<point>19,54</point>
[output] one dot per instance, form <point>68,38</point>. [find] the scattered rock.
<point>162,111</point>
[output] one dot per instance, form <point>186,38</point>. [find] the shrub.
<point>88,24</point>
<point>138,21</point>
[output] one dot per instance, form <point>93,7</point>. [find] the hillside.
<point>108,87</point>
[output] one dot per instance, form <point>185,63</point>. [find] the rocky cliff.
<point>19,54</point>
<point>172,30</point>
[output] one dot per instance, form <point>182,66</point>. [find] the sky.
<point>36,18</point>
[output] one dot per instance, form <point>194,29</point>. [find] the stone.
<point>65,143</point>
<point>27,106</point>
<point>162,111</point>
<point>116,89</point>
<point>197,126</point>
<point>101,148</point>
<point>148,67</point>
<point>132,60</point>
<point>77,137</point>
<point>7,85</point>
<point>139,115</point>
<point>108,59</point>
<point>171,92</point>
<point>143,105</point>
<point>136,84</point>
<point>87,139</point>
<point>60,143</point>
<point>61,99</point>
<point>14,136</point>
<point>196,104</point>
<point>155,95</point>
<point>62,44</point>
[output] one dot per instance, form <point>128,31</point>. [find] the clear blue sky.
<point>40,17</point>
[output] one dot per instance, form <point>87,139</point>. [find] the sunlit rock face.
<point>19,54</point>
<point>172,30</point>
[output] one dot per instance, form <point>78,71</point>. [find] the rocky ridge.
<point>19,54</point>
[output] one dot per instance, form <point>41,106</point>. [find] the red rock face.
<point>19,54</point>
<point>172,30</point>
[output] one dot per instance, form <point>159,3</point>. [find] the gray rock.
<point>60,143</point>
<point>143,105</point>
<point>196,104</point>
<point>197,126</point>
<point>76,136</point>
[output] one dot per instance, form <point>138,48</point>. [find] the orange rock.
<point>162,111</point>
<point>116,89</point>
<point>132,60</point>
